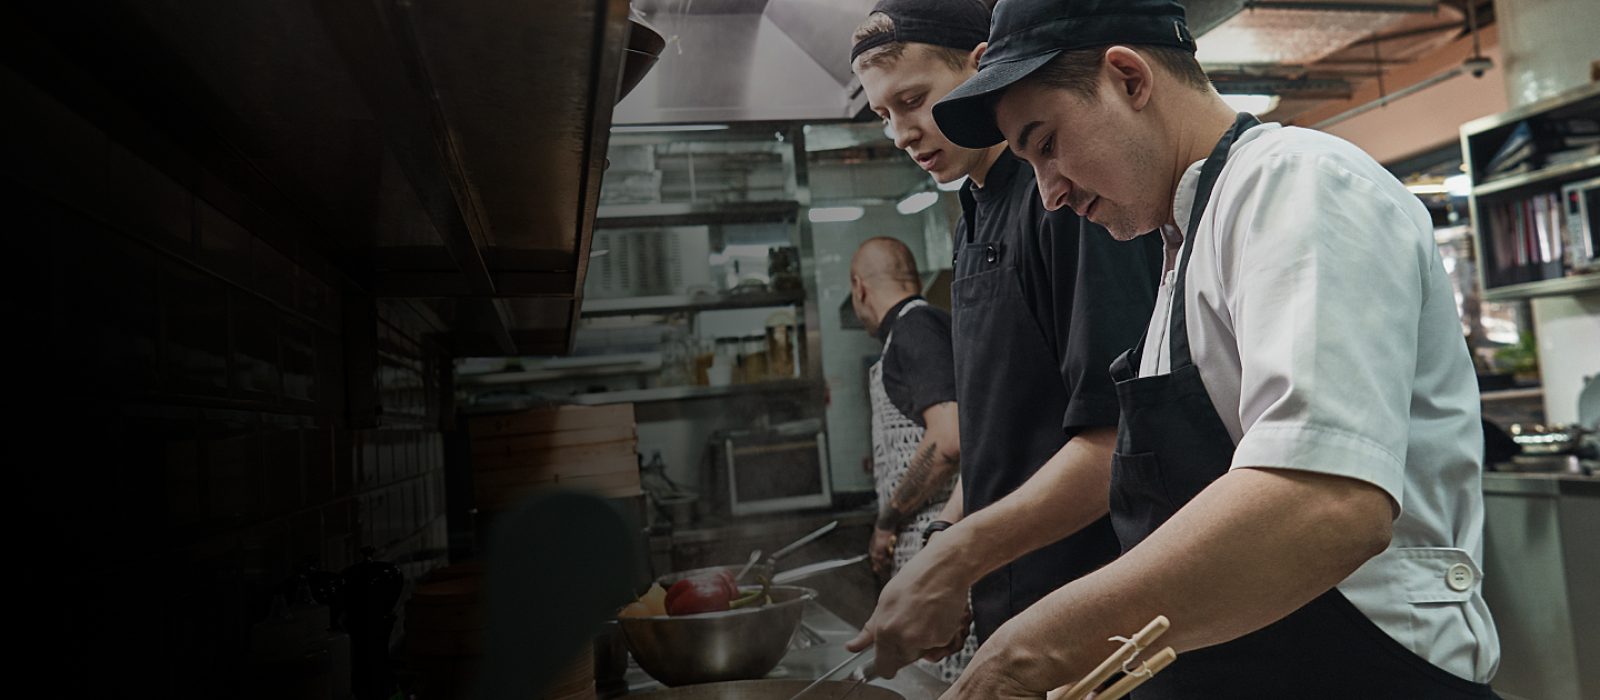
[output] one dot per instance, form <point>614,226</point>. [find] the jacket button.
<point>1458,577</point>
<point>990,253</point>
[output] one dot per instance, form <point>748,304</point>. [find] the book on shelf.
<point>1528,240</point>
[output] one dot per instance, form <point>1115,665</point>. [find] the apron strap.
<point>914,303</point>
<point>1178,333</point>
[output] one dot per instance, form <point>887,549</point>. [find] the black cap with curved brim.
<point>1026,34</point>
<point>957,24</point>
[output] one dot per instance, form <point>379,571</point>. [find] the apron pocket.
<point>1139,500</point>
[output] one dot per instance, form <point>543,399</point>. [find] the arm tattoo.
<point>923,478</point>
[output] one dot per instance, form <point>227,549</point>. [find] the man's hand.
<point>918,613</point>
<point>882,551</point>
<point>954,647</point>
<point>992,675</point>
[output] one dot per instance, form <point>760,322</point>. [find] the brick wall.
<point>188,370</point>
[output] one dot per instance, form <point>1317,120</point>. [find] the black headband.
<point>957,24</point>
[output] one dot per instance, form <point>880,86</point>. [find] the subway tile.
<point>368,467</point>
<point>346,462</point>
<point>329,358</point>
<point>274,273</point>
<point>264,565</point>
<point>255,366</point>
<point>55,150</point>
<point>305,537</point>
<point>151,205</point>
<point>297,348</point>
<point>385,456</point>
<point>339,534</point>
<point>282,468</point>
<point>185,483</point>
<point>313,297</point>
<point>195,342</point>
<point>224,245</point>
<point>320,464</point>
<point>29,298</point>
<point>233,467</point>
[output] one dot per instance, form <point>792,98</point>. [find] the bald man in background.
<point>916,443</point>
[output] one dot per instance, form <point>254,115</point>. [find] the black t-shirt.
<point>1044,302</point>
<point>919,369</point>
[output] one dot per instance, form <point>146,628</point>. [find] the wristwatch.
<point>935,526</point>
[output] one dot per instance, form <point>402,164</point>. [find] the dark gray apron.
<point>1171,444</point>
<point>1012,400</point>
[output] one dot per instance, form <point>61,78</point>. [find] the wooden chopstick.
<point>1115,662</point>
<point>1146,670</point>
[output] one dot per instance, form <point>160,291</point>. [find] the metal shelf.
<point>687,214</point>
<point>681,393</point>
<point>700,302</point>
<point>1564,170</point>
<point>1544,288</point>
<point>572,368</point>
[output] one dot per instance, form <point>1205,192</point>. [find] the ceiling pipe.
<point>1476,65</point>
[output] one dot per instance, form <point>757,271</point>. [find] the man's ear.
<point>977,55</point>
<point>1131,73</point>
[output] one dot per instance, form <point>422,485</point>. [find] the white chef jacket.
<point>1325,328</point>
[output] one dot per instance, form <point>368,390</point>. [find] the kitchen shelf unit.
<point>628,306</point>
<point>1506,273</point>
<point>685,393</point>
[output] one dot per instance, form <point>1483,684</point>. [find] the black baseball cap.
<point>958,24</point>
<point>1026,34</point>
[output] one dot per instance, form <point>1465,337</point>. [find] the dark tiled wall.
<point>187,386</point>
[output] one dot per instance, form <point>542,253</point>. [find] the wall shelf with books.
<point>1535,173</point>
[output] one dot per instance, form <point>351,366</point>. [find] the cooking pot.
<point>773,689</point>
<point>717,646</point>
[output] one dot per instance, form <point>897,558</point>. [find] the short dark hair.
<point>1078,71</point>
<point>879,23</point>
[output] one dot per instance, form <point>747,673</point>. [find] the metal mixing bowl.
<point>718,646</point>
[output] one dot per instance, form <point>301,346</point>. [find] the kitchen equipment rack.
<point>1518,258</point>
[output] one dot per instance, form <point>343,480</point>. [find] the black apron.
<point>1171,444</point>
<point>1007,374</point>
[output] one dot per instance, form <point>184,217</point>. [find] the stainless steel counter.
<point>809,658</point>
<point>1541,574</point>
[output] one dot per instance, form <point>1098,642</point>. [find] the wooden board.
<point>464,591</point>
<point>463,643</point>
<point>443,618</point>
<point>540,459</point>
<point>616,485</point>
<point>495,478</point>
<point>553,420</point>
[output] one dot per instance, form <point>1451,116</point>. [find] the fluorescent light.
<point>597,253</point>
<point>1458,185</point>
<point>952,185</point>
<point>1427,188</point>
<point>645,129</point>
<point>916,201</point>
<point>825,215</point>
<point>739,251</point>
<point>1254,104</point>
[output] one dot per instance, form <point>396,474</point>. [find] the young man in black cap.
<point>1043,302</point>
<point>1297,479</point>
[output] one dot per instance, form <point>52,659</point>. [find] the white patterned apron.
<point>894,443</point>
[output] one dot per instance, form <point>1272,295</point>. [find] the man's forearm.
<point>930,469</point>
<point>1250,549</point>
<point>1068,493</point>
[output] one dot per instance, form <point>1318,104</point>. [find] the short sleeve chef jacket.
<point>1325,329</point>
<point>1043,303</point>
<point>918,370</point>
